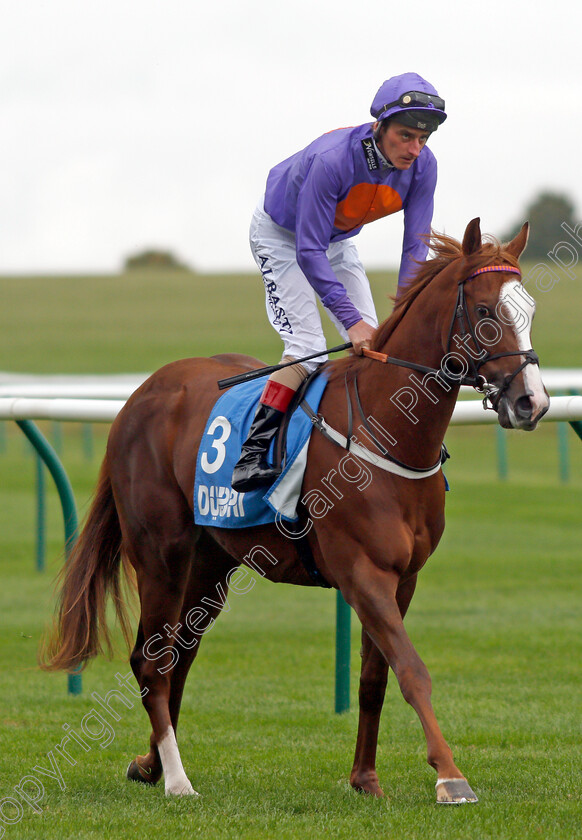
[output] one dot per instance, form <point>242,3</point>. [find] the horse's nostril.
<point>523,408</point>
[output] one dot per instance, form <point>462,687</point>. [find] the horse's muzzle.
<point>523,413</point>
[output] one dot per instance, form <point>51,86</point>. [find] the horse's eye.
<point>482,311</point>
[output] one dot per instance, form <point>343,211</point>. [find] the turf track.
<point>496,618</point>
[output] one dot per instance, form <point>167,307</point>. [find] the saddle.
<point>215,502</point>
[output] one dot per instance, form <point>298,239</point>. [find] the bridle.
<point>475,379</point>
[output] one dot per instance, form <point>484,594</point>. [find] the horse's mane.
<point>446,249</point>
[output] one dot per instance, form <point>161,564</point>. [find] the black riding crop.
<point>266,371</point>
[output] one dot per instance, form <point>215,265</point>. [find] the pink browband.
<point>509,268</point>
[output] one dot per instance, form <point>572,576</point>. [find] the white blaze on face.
<point>516,308</point>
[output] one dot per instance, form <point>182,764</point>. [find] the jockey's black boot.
<point>253,469</point>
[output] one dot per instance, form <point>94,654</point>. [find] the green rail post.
<point>563,455</point>
<point>57,429</point>
<point>87,432</point>
<point>40,515</point>
<point>56,469</point>
<point>577,426</point>
<point>342,654</point>
<point>501,453</point>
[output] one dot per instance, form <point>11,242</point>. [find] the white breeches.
<point>290,300</point>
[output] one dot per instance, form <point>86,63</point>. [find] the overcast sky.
<point>127,124</point>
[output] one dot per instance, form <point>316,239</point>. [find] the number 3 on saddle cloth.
<point>215,502</point>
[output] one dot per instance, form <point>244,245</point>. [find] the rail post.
<point>40,514</point>
<point>342,654</point>
<point>501,454</point>
<point>49,456</point>
<point>576,424</point>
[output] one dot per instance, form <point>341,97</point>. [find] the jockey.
<point>302,233</point>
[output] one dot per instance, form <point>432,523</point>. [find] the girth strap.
<point>306,555</point>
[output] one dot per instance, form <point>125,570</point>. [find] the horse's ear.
<point>517,245</point>
<point>472,237</point>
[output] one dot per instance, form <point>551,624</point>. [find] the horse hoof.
<point>136,773</point>
<point>184,789</point>
<point>454,792</point>
<point>368,785</point>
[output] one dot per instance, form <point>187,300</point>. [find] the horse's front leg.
<point>373,679</point>
<point>373,594</point>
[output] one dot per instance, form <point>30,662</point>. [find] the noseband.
<point>475,379</point>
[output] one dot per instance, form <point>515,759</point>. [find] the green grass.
<point>139,321</point>
<point>495,617</point>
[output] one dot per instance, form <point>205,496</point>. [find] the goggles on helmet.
<point>414,99</point>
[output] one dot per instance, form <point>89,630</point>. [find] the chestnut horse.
<point>465,318</point>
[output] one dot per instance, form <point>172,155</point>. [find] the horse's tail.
<point>92,573</point>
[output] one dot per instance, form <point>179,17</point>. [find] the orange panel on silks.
<point>365,203</point>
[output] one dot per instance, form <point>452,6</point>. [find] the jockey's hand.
<point>360,335</point>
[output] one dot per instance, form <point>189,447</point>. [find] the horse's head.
<point>491,329</point>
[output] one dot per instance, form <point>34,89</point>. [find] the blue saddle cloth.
<point>215,502</point>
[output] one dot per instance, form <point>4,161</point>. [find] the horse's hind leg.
<point>144,768</point>
<point>204,598</point>
<point>159,537</point>
<point>152,660</point>
<point>373,679</point>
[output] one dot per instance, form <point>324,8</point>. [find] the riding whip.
<point>266,371</point>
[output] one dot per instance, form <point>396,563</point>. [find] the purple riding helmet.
<point>410,98</point>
